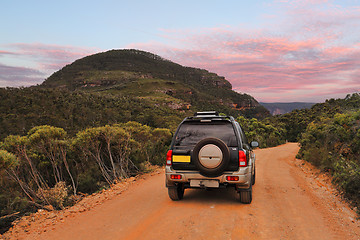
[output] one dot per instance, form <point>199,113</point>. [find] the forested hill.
<point>296,122</point>
<point>116,67</point>
<point>145,75</point>
<point>119,86</point>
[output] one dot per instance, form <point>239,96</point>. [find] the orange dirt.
<point>291,200</point>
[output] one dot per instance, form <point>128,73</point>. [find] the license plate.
<point>204,183</point>
<point>181,159</point>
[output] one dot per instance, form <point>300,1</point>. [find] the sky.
<point>276,50</point>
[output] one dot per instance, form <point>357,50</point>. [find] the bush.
<point>347,176</point>
<point>40,168</point>
<point>264,132</point>
<point>89,180</point>
<point>55,196</point>
<point>333,144</point>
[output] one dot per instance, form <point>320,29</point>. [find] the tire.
<point>253,177</point>
<point>221,157</point>
<point>246,196</point>
<point>177,193</point>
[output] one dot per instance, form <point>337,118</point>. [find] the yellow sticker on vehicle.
<point>181,159</point>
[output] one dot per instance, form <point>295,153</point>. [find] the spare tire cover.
<point>211,156</point>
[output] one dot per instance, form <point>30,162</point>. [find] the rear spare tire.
<point>211,156</point>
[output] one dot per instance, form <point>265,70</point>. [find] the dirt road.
<point>289,202</point>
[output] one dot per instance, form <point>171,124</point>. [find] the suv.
<point>210,151</point>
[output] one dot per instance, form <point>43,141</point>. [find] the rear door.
<point>191,132</point>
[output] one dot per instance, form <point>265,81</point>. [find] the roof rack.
<point>208,113</point>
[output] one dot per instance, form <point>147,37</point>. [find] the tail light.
<point>242,159</point>
<point>232,178</point>
<point>169,158</point>
<point>175,176</point>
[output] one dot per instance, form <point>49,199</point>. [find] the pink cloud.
<point>313,54</point>
<point>42,60</point>
<point>51,50</point>
<point>19,76</point>
<point>2,53</point>
<point>56,55</point>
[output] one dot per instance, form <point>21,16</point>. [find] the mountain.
<point>119,86</point>
<point>148,76</point>
<point>278,108</point>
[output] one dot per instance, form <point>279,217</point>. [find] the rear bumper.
<point>244,175</point>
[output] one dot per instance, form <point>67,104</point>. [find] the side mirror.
<point>254,144</point>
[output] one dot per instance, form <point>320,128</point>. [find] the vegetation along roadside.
<point>47,169</point>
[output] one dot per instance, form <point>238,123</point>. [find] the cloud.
<point>41,60</point>
<point>4,53</point>
<point>57,55</point>
<point>19,76</point>
<point>311,55</point>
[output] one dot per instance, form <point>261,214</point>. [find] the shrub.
<point>55,196</point>
<point>333,144</point>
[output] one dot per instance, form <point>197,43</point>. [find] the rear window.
<point>190,133</point>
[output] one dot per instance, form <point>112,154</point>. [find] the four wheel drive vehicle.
<point>210,151</point>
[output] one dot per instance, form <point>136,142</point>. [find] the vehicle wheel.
<point>211,156</point>
<point>253,177</point>
<point>246,195</point>
<point>177,193</point>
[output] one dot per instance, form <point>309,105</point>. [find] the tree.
<point>51,142</point>
<point>267,134</point>
<point>26,172</point>
<point>109,147</point>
